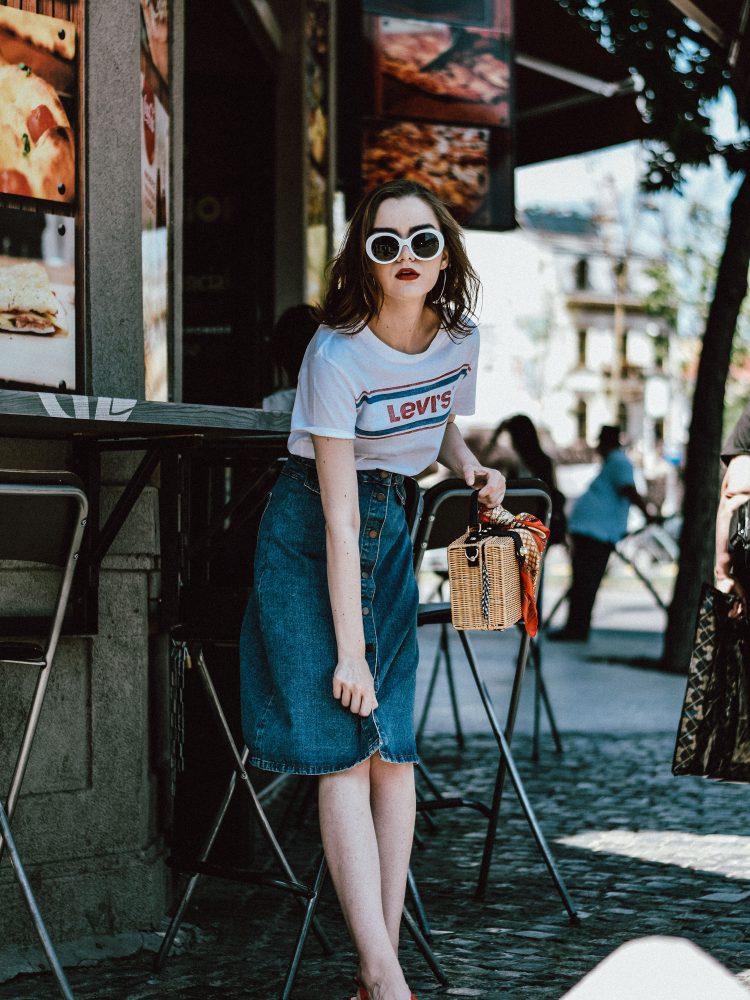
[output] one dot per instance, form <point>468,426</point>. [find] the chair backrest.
<point>445,512</point>
<point>414,504</point>
<point>42,519</point>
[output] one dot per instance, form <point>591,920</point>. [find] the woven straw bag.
<point>485,575</point>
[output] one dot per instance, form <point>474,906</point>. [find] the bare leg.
<point>393,811</point>
<point>353,855</point>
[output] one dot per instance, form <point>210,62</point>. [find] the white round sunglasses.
<point>385,248</point>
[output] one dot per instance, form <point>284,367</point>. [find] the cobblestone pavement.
<point>642,853</point>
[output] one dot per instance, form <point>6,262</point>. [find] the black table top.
<point>51,415</point>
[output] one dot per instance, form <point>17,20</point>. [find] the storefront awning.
<point>572,96</point>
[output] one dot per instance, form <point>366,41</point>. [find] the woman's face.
<point>407,278</point>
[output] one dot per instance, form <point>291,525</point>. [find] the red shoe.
<point>362,994</point>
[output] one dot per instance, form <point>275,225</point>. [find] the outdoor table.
<point>167,434</point>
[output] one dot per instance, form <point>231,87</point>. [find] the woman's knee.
<point>387,771</point>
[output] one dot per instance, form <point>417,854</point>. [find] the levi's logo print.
<point>403,409</point>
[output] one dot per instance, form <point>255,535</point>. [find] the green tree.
<point>682,72</point>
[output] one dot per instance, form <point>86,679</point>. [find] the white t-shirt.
<point>394,405</point>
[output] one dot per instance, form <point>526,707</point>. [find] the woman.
<point>534,462</point>
<point>329,648</point>
<point>735,491</point>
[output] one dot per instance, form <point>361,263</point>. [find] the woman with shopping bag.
<point>328,647</point>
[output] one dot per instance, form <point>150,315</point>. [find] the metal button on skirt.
<point>290,719</point>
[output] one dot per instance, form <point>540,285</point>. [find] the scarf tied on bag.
<point>534,536</point>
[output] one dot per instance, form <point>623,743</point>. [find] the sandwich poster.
<point>155,166</point>
<point>37,300</point>
<point>37,106</point>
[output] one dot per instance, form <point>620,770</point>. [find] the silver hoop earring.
<point>442,290</point>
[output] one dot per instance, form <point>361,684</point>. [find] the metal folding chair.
<point>443,662</point>
<point>42,520</point>
<point>190,648</point>
<point>443,519</point>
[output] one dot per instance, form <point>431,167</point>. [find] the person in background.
<point>735,490</point>
<point>533,462</point>
<point>292,333</point>
<point>598,520</point>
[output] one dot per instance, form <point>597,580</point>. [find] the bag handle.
<point>474,511</point>
<point>478,531</point>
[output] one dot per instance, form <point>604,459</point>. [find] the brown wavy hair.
<point>354,297</point>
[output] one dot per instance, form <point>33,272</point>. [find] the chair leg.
<point>548,707</point>
<point>555,607</point>
<point>429,820</point>
<point>537,706</point>
<point>452,686</point>
<point>32,721</point>
<point>307,920</point>
<point>507,762</point>
<point>416,898</point>
<point>31,903</point>
<point>429,955</point>
<point>642,577</point>
<point>239,764</point>
<point>541,699</point>
<point>430,691</point>
<point>179,914</point>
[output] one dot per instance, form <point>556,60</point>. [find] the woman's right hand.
<point>728,585</point>
<point>353,685</point>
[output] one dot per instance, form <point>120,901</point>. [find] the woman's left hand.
<point>493,490</point>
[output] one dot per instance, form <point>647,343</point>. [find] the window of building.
<point>581,419</point>
<point>622,417</point>
<point>582,348</point>
<point>582,274</point>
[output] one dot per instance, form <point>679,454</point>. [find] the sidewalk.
<point>642,852</point>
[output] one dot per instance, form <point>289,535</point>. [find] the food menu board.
<point>37,299</point>
<point>440,106</point>
<point>38,112</point>
<point>38,125</point>
<point>155,179</point>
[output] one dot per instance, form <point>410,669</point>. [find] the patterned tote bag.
<point>713,738</point>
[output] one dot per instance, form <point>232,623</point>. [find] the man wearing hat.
<point>598,521</point>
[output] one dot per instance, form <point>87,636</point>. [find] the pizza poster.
<point>453,162</point>
<point>155,174</point>
<point>441,72</point>
<point>37,300</point>
<point>38,113</point>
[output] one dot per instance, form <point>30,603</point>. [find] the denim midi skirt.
<point>291,721</point>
